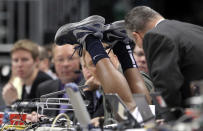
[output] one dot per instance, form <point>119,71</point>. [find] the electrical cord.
<point>18,127</point>
<point>15,122</point>
<point>24,121</point>
<point>57,117</point>
<point>37,124</point>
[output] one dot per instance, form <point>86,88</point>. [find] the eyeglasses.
<point>68,59</point>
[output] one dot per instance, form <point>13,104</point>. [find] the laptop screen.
<point>118,109</point>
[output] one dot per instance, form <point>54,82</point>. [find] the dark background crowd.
<point>39,20</point>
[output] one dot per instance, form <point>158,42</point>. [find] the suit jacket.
<point>49,87</point>
<point>174,53</point>
<point>41,77</point>
<point>53,86</point>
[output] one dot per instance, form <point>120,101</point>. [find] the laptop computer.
<point>119,110</point>
<point>79,107</point>
<point>144,108</point>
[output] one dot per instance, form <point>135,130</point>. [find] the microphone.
<point>53,93</point>
<point>59,92</point>
<point>77,71</point>
<point>23,105</point>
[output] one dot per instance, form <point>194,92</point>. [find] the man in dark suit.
<point>173,50</point>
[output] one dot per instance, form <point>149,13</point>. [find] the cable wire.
<point>57,117</point>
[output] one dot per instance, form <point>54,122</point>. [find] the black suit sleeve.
<point>48,87</point>
<point>163,63</point>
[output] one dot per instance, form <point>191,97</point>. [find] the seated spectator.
<point>24,56</point>
<point>67,69</point>
<point>92,92</point>
<point>140,59</point>
<point>142,66</point>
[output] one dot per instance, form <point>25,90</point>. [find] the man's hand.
<point>33,117</point>
<point>9,94</point>
<point>92,83</point>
